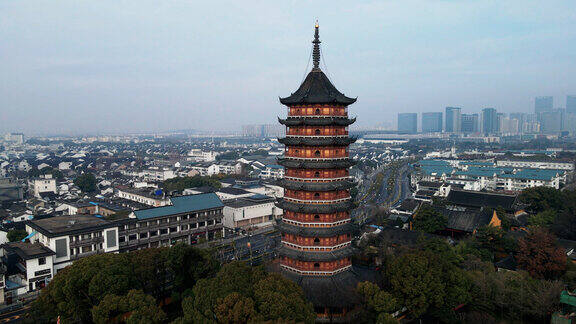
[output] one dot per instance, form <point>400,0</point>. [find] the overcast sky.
<point>112,66</point>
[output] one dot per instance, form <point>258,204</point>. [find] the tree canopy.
<point>16,235</point>
<point>240,293</point>
<point>540,255</point>
<point>77,292</point>
<point>181,183</point>
<point>86,182</point>
<point>429,220</point>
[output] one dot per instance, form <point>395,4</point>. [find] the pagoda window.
<point>316,265</point>
<point>316,241</point>
<point>317,132</point>
<point>317,174</point>
<point>316,195</point>
<point>317,111</point>
<point>317,153</point>
<point>316,216</point>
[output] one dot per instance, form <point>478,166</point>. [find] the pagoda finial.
<point>316,51</point>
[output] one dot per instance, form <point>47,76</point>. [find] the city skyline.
<point>154,68</point>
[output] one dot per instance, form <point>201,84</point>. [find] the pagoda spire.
<point>316,51</point>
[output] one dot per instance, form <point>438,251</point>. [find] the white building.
<point>201,156</point>
<point>222,167</point>
<point>272,171</point>
<point>32,267</point>
<point>42,184</point>
<point>144,196</point>
<point>157,174</point>
<point>64,165</point>
<point>73,237</point>
<point>553,165</point>
<point>256,211</point>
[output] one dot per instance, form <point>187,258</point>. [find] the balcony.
<point>84,242</point>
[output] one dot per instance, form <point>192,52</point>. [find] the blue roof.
<point>433,163</point>
<point>437,169</point>
<point>182,204</point>
<point>478,163</point>
<point>274,166</point>
<point>533,174</point>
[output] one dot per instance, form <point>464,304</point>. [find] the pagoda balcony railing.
<point>316,273</point>
<point>315,224</point>
<point>318,179</point>
<point>317,202</point>
<point>339,158</point>
<point>319,121</point>
<point>315,136</point>
<point>314,115</point>
<point>316,247</point>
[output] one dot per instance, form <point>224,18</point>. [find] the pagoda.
<point>316,229</point>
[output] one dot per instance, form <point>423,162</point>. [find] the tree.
<point>265,297</point>
<point>540,255</point>
<point>86,182</point>
<point>429,220</point>
<point>181,183</point>
<point>543,218</point>
<point>134,307</point>
<point>428,282</point>
<point>514,295</point>
<point>542,198</point>
<point>76,292</point>
<point>231,155</point>
<point>378,302</point>
<point>188,264</point>
<point>16,235</point>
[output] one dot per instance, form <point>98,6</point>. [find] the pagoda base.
<point>334,297</point>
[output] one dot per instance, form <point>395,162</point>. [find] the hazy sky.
<point>121,66</point>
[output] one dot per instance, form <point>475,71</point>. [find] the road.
<point>258,247</point>
<point>14,316</point>
<point>374,192</point>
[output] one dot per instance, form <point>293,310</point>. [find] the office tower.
<point>431,122</point>
<point>316,229</point>
<point>508,125</point>
<point>453,119</point>
<point>542,104</point>
<point>489,121</point>
<point>571,104</point>
<point>469,123</point>
<point>520,120</point>
<point>551,121</point>
<point>531,124</point>
<point>408,123</point>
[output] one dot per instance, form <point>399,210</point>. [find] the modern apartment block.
<point>431,122</point>
<point>469,123</point>
<point>408,123</point>
<point>453,120</point>
<point>542,104</point>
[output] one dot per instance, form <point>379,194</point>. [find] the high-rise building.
<point>571,104</point>
<point>469,123</point>
<point>542,104</point>
<point>431,122</point>
<point>408,123</point>
<point>316,242</point>
<point>263,131</point>
<point>551,121</point>
<point>531,124</point>
<point>520,120</point>
<point>508,125</point>
<point>453,119</point>
<point>489,121</point>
